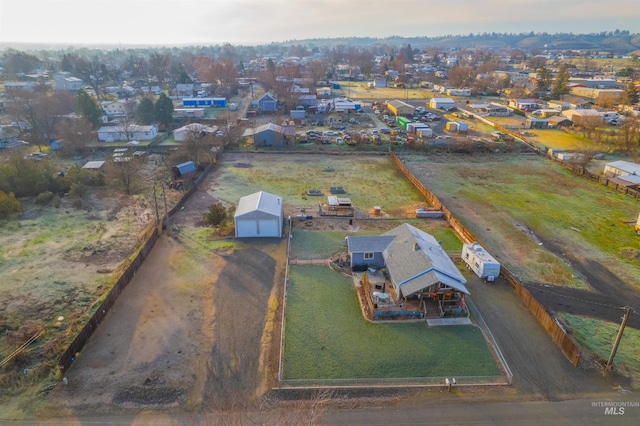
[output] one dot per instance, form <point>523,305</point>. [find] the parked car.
<point>329,133</point>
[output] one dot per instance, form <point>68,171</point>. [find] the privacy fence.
<point>559,336</point>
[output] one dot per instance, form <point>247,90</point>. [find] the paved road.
<point>575,412</point>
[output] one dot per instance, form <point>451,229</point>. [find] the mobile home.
<point>480,262</point>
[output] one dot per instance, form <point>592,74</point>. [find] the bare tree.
<point>76,133</point>
<point>92,72</point>
<point>125,172</point>
<point>629,134</point>
<point>42,110</point>
<point>159,65</point>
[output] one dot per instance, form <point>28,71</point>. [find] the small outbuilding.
<point>184,169</point>
<point>259,215</point>
<point>441,103</point>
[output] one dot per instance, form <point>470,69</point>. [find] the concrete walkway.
<point>448,321</point>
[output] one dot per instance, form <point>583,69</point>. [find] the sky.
<point>250,22</point>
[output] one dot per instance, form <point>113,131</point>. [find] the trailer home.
<point>480,262</point>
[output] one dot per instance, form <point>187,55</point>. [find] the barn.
<point>441,103</point>
<point>259,215</point>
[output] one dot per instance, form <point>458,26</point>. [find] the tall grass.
<point>326,337</point>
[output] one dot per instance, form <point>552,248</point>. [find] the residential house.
<point>66,81</point>
<point>127,133</point>
<point>416,263</point>
<point>268,102</point>
<point>523,104</point>
<point>579,116</point>
<point>621,168</point>
<point>194,129</point>
<point>271,134</point>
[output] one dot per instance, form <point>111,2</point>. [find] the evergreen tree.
<point>88,107</point>
<point>164,110</point>
<point>146,111</point>
<point>560,87</point>
<point>630,95</point>
<point>544,80</point>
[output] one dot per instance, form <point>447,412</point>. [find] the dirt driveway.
<point>188,331</point>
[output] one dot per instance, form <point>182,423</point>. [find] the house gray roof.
<point>368,244</point>
<point>260,201</point>
<point>626,166</point>
<point>416,261</point>
<point>288,131</point>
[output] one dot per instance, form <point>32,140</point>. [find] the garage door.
<point>268,228</point>
<point>247,228</point>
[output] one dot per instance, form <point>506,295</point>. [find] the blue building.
<point>268,102</point>
<point>204,102</point>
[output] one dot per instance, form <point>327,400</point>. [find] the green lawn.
<point>323,244</point>
<point>327,338</point>
<point>546,198</point>
<point>369,181</point>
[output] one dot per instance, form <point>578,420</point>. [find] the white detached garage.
<point>259,215</point>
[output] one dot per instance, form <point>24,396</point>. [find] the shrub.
<point>44,198</point>
<point>216,216</point>
<point>8,205</point>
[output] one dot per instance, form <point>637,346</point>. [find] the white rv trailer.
<point>480,262</point>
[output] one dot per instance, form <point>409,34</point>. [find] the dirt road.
<point>187,332</point>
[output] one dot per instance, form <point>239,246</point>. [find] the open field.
<point>368,180</point>
<point>568,239</point>
<point>327,338</point>
<point>359,90</point>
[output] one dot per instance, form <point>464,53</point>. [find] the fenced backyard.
<point>328,343</point>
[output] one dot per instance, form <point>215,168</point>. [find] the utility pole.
<point>166,210</point>
<point>617,342</point>
<point>155,202</point>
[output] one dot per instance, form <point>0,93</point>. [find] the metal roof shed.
<point>185,168</point>
<point>259,215</point>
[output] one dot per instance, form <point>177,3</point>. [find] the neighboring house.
<point>271,134</point>
<point>400,108</point>
<point>268,102</point>
<point>11,87</point>
<point>188,112</point>
<point>559,121</point>
<point>621,168</point>
<point>259,215</point>
<point>323,92</point>
<point>415,261</point>
<point>93,165</point>
<point>307,100</point>
<point>571,102</point>
<point>182,133</point>
<point>121,133</point>
<point>9,137</point>
<point>599,96</point>
<point>120,107</point>
<point>441,103</point>
<point>536,123</point>
<point>345,105</point>
<point>579,116</point>
<point>184,90</point>
<point>523,104</point>
<point>379,82</point>
<point>66,81</point>
<point>458,92</point>
<point>204,102</point>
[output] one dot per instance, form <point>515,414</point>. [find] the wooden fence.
<point>69,355</point>
<point>558,335</point>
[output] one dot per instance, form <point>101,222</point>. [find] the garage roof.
<point>261,201</point>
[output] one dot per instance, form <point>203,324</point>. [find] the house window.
<point>368,256</point>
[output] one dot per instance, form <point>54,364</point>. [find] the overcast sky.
<point>201,22</point>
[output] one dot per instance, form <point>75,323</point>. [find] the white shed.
<point>480,262</point>
<point>259,215</point>
<point>441,103</point>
